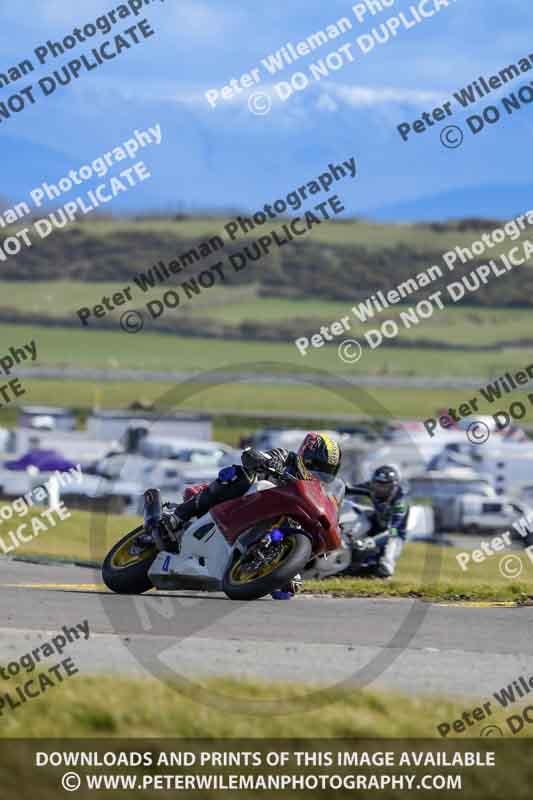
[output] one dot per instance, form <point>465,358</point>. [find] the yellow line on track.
<point>479,604</point>
<point>101,587</point>
<point>75,587</point>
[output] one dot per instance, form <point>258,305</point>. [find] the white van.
<point>480,515</point>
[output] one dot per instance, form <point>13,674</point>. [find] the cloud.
<point>326,97</point>
<point>358,96</point>
<point>326,103</point>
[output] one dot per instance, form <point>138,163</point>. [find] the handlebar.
<point>352,492</point>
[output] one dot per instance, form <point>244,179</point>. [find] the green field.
<point>63,347</point>
<point>60,347</point>
<point>153,351</point>
<point>245,400</point>
<point>455,325</point>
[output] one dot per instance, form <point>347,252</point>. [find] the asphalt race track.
<point>437,648</point>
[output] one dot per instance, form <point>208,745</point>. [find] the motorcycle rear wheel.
<point>127,573</point>
<point>295,555</point>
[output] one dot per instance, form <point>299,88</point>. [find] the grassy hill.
<point>290,294</point>
<point>336,260</point>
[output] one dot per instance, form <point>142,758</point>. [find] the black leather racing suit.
<point>234,481</point>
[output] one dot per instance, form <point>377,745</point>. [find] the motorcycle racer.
<point>318,454</point>
<point>389,516</point>
<point>248,547</point>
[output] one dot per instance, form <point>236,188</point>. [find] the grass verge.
<point>103,715</point>
<point>433,573</point>
<point>83,537</point>
<point>113,707</point>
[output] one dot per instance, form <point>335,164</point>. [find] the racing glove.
<point>258,463</point>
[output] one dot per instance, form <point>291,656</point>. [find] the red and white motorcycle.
<point>248,547</point>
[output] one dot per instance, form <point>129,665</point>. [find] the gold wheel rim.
<point>237,576</point>
<point>123,558</point>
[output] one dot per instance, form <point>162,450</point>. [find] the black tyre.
<point>125,568</point>
<point>240,584</point>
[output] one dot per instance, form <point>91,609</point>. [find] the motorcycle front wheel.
<point>247,579</point>
<point>125,568</point>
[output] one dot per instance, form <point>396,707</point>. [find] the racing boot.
<point>172,526</point>
<point>387,562</point>
<point>288,591</point>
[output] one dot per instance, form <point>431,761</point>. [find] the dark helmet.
<point>320,453</point>
<point>384,481</point>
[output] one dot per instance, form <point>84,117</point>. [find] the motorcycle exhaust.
<point>153,515</point>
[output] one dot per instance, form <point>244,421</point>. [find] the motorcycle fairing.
<point>200,563</point>
<point>303,501</point>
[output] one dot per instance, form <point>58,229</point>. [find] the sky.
<point>229,158</point>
